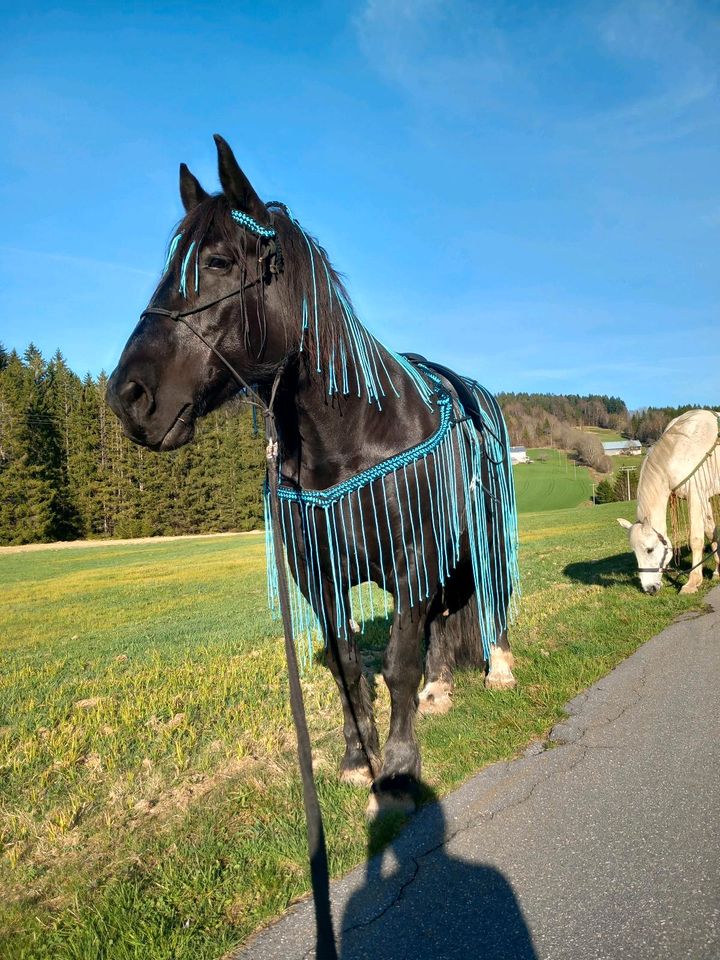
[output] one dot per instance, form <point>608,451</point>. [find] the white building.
<point>614,448</point>
<point>519,455</point>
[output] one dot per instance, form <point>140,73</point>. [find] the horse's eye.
<point>649,549</point>
<point>219,263</point>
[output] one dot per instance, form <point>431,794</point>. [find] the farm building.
<point>519,455</point>
<point>614,448</point>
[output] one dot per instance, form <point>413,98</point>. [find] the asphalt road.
<point>604,844</point>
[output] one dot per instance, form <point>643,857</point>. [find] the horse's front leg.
<point>361,761</point>
<point>402,670</point>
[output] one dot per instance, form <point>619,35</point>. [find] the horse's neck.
<point>652,498</point>
<point>327,438</point>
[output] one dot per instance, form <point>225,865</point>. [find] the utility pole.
<point>628,471</point>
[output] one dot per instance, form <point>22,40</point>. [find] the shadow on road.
<point>419,902</point>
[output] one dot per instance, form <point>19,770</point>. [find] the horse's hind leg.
<point>453,642</point>
<point>436,696</point>
<point>402,670</point>
<point>712,532</point>
<point>500,675</point>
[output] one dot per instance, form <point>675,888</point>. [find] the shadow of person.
<point>417,901</point>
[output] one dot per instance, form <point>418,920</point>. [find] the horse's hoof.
<point>500,681</point>
<point>435,698</point>
<point>394,793</point>
<point>356,776</point>
<point>690,588</point>
<point>381,804</point>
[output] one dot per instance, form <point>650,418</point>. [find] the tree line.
<point>547,420</point>
<point>67,471</point>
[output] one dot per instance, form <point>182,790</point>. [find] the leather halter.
<point>180,315</point>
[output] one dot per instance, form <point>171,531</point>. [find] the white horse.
<point>686,462</point>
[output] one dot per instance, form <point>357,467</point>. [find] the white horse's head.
<point>652,551</point>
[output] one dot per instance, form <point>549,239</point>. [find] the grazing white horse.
<point>686,462</point>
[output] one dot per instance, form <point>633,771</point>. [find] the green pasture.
<point>550,482</point>
<point>150,805</point>
<point>603,434</point>
<point>627,460</point>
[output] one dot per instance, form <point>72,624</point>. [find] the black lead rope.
<point>319,874</point>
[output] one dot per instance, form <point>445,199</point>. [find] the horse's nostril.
<point>134,393</point>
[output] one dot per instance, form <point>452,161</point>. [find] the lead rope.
<point>325,948</point>
<point>319,875</point>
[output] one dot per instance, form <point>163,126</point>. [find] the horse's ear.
<point>191,193</point>
<point>624,523</point>
<point>236,186</point>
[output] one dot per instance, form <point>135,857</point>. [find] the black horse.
<point>391,470</point>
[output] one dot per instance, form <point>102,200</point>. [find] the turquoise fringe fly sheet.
<point>447,468</point>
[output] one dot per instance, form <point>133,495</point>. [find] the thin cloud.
<point>463,60</point>
<point>74,260</point>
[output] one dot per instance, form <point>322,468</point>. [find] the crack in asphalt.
<point>512,804</point>
<point>512,784</point>
<point>467,825</point>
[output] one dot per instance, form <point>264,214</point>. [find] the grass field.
<point>603,434</point>
<point>150,804</point>
<point>627,460</point>
<point>550,482</point>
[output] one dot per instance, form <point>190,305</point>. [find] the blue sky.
<point>529,192</point>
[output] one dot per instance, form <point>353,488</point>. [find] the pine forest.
<point>67,472</point>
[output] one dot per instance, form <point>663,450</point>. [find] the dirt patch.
<point>178,799</point>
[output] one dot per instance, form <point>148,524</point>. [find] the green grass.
<point>162,817</point>
<point>623,460</point>
<point>603,434</point>
<point>550,482</point>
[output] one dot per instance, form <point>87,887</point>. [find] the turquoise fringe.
<point>457,501</point>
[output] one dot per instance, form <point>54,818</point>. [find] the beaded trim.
<point>325,498</point>
<point>247,222</point>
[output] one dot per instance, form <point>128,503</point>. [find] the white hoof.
<point>500,675</point>
<point>690,588</point>
<point>435,698</point>
<point>500,681</point>
<point>381,804</point>
<point>357,777</point>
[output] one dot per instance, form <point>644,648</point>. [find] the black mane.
<point>309,276</point>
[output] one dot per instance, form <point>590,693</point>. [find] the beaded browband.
<point>247,222</point>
